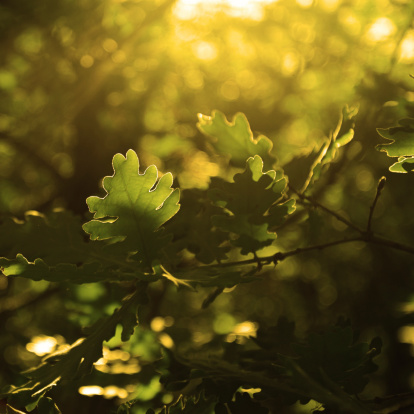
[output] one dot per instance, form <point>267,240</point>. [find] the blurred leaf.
<point>335,353</point>
<point>56,237</point>
<point>190,405</point>
<point>235,138</point>
<point>343,134</point>
<point>47,406</point>
<point>78,359</point>
<point>244,404</point>
<point>134,209</point>
<point>8,409</point>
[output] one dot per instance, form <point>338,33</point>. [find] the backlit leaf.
<point>254,204</point>
<point>401,137</point>
<point>235,138</point>
<point>404,165</point>
<point>134,209</point>
<point>343,135</point>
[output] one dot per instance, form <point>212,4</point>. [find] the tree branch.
<point>327,210</point>
<point>278,257</point>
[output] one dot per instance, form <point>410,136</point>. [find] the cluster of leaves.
<point>402,145</point>
<point>278,370</point>
<point>139,235</point>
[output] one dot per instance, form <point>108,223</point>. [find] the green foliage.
<point>401,146</point>
<point>140,241</point>
<point>235,138</point>
<point>193,405</point>
<point>254,203</point>
<point>78,359</point>
<point>342,135</point>
<point>241,243</point>
<point>47,406</point>
<point>134,209</point>
<point>335,354</point>
<point>193,228</point>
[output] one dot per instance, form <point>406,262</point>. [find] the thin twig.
<point>388,243</point>
<point>281,256</point>
<point>278,257</point>
<point>380,186</point>
<point>327,210</point>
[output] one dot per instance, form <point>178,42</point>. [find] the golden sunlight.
<point>407,48</point>
<point>190,9</point>
<point>42,345</point>
<point>381,30</point>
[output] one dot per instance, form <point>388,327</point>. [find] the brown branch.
<point>327,210</point>
<point>278,257</point>
<point>388,243</point>
<point>281,256</point>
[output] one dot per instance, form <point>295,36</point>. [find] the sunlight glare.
<point>91,390</point>
<point>381,29</point>
<point>42,345</point>
<point>305,3</point>
<point>251,9</point>
<point>407,48</point>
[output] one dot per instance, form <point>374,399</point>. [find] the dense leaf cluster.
<point>141,233</point>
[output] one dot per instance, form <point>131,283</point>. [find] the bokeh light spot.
<point>205,50</point>
<point>381,29</point>
<point>407,48</point>
<point>42,345</point>
<point>91,390</point>
<point>87,61</point>
<point>109,45</point>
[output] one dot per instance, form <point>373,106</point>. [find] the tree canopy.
<point>249,250</point>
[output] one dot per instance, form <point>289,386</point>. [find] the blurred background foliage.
<point>81,81</point>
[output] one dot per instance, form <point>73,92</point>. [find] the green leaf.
<point>401,137</point>
<point>47,406</point>
<point>404,165</point>
<point>336,354</point>
<point>52,247</point>
<point>56,237</point>
<point>78,360</point>
<point>134,209</point>
<point>8,409</point>
<point>254,205</point>
<point>194,231</point>
<point>235,138</point>
<point>68,272</point>
<point>343,135</point>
